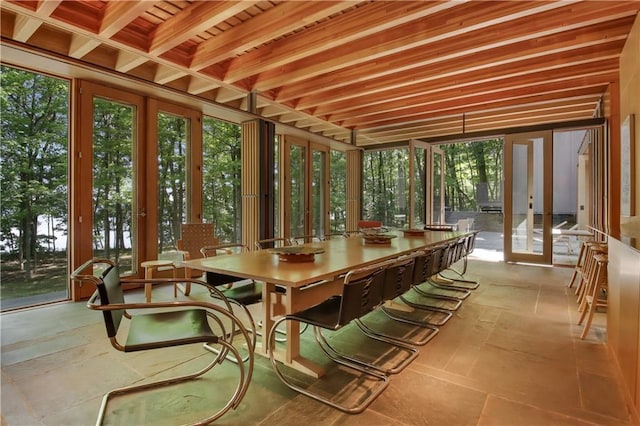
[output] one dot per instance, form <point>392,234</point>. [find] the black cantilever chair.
<point>442,257</point>
<point>272,242</point>
<point>398,278</point>
<point>157,325</point>
<point>440,309</point>
<point>362,292</point>
<point>237,291</point>
<point>464,247</point>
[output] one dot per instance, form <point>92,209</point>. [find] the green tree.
<point>112,176</point>
<point>222,178</point>
<point>33,160</point>
<point>172,175</point>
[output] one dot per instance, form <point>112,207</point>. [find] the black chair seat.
<point>245,294</point>
<point>159,330</point>
<point>325,314</point>
<point>165,324</point>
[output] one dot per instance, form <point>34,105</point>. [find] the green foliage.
<point>385,185</point>
<point>468,164</point>
<point>112,177</point>
<point>338,194</point>
<point>172,179</point>
<point>33,160</point>
<point>386,179</point>
<point>222,162</point>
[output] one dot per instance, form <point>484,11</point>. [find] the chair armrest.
<point>77,274</point>
<point>213,291</point>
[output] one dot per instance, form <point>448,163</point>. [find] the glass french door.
<point>426,165</point>
<point>436,188</point>
<point>305,183</point>
<point>528,198</point>
<point>107,204</point>
<point>174,193</point>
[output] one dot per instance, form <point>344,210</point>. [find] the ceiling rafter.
<point>118,15</point>
<point>364,21</point>
<point>546,68</point>
<point>391,70</point>
<point>275,22</point>
<point>193,20</point>
<point>400,38</point>
<point>447,58</point>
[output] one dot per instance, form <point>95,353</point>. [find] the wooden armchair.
<point>193,238</point>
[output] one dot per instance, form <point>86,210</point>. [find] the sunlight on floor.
<point>487,255</point>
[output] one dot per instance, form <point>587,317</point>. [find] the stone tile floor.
<point>511,355</point>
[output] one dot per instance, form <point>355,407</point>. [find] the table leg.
<point>148,274</point>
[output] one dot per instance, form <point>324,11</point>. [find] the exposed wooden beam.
<point>165,74</point>
<point>439,26</point>
<point>24,27</point>
<point>473,103</point>
<point>522,79</point>
<point>273,23</point>
<point>118,14</point>
<point>194,19</point>
<point>81,45</point>
<point>127,61</point>
<point>447,59</point>
<point>364,21</point>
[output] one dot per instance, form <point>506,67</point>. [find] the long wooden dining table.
<point>304,284</point>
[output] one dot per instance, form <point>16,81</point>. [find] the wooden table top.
<point>340,256</point>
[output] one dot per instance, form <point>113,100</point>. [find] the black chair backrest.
<point>425,265</point>
<point>399,275</point>
<point>272,242</point>
<point>110,291</point>
<point>471,243</point>
<point>362,293</point>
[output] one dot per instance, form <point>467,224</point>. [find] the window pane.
<point>113,181</point>
<point>386,186</point>
<point>297,155</point>
<point>338,201</point>
<point>172,179</point>
<point>221,178</point>
<point>318,180</point>
<point>33,188</point>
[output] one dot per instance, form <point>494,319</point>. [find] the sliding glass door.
<point>426,163</point>
<point>305,183</point>
<point>528,198</point>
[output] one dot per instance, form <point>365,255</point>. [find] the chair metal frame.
<point>237,296</point>
<point>109,299</point>
<point>272,242</point>
<point>362,292</point>
<point>398,278</point>
<point>463,247</point>
<point>426,264</point>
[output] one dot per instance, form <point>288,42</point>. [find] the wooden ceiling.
<point>390,70</point>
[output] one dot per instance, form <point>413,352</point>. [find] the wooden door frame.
<point>546,257</point>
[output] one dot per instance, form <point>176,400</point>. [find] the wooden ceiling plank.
<point>193,20</point>
<point>470,104</point>
<point>562,46</point>
<point>273,23</point>
<point>454,22</point>
<point>525,34</point>
<point>119,14</point>
<point>491,79</point>
<point>364,21</point>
